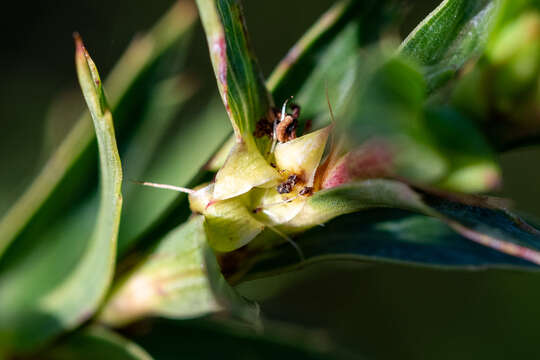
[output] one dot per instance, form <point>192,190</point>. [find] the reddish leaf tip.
<point>80,49</point>
<point>78,40</point>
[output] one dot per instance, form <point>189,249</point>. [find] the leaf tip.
<point>79,45</point>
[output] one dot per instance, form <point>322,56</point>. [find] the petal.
<point>244,169</point>
<point>229,224</point>
<point>302,156</point>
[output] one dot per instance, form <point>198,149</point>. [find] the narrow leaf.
<point>384,236</point>
<point>244,95</point>
<point>239,79</point>
<point>476,218</point>
<point>34,310</point>
<point>454,33</point>
<point>429,229</point>
<point>73,160</point>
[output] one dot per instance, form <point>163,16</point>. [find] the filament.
<point>165,186</point>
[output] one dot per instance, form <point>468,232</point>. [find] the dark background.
<point>380,311</point>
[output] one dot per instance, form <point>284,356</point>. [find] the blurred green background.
<point>379,311</point>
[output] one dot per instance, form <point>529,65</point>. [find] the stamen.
<point>165,186</point>
<point>283,114</point>
<point>284,108</point>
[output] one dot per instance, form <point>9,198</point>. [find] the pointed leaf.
<point>244,95</point>
<point>239,79</point>
<point>460,232</point>
<point>385,236</point>
<point>73,160</point>
<point>348,198</point>
<point>455,32</point>
<point>35,308</point>
<point>479,219</point>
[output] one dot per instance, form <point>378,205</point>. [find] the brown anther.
<point>284,188</point>
<point>307,191</point>
<point>292,179</point>
<point>256,210</point>
<point>287,186</point>
<point>286,129</point>
<point>273,165</point>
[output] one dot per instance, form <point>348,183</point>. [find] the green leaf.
<point>238,76</point>
<point>96,342</point>
<point>429,229</point>
<point>65,176</point>
<point>42,296</point>
<point>244,95</point>
<point>178,279</point>
<point>454,33</point>
<point>385,236</point>
<point>479,219</point>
